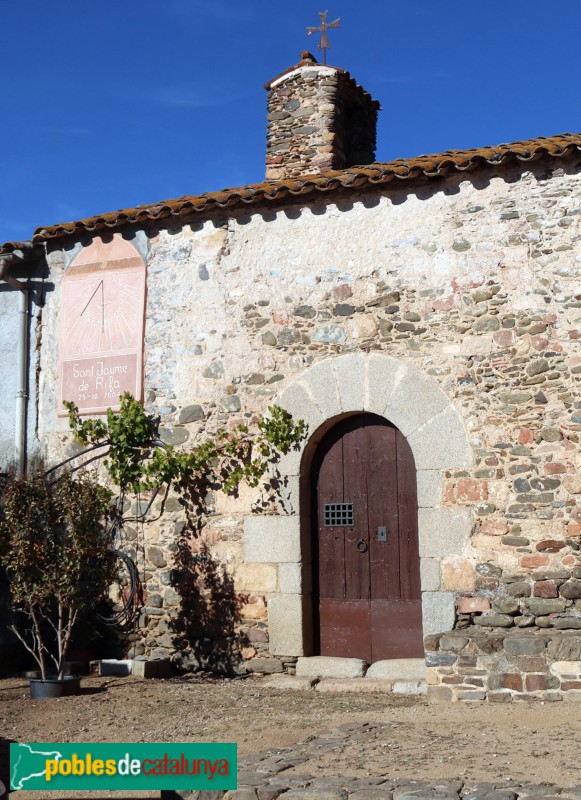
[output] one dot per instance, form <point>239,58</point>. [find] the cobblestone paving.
<point>273,774</point>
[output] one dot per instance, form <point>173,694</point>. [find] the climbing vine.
<point>58,529</point>
<point>137,461</point>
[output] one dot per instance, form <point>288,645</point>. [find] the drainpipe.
<point>22,385</point>
<point>21,358</point>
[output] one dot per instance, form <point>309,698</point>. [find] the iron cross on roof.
<point>324,44</point>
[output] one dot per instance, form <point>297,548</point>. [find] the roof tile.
<point>425,166</point>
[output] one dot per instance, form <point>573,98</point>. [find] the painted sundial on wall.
<point>101,337</point>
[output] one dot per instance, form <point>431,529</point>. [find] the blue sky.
<point>108,105</point>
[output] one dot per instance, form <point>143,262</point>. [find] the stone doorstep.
<point>398,669</point>
<point>330,667</point>
<point>392,670</point>
<point>410,687</point>
<point>369,685</point>
<point>290,682</point>
<point>341,685</point>
<point>355,685</point>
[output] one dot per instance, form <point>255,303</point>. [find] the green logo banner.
<point>64,767</point>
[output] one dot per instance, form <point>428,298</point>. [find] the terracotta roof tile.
<point>10,247</point>
<point>421,167</point>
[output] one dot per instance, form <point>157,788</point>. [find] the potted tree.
<point>54,545</point>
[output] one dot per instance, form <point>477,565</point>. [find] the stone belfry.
<point>319,119</point>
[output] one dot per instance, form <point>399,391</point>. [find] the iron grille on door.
<point>339,515</point>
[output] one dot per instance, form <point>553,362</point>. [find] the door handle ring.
<point>361,546</point>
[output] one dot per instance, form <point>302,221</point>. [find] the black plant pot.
<point>54,687</point>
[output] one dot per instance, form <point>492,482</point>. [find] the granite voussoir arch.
<point>390,388</point>
<point>414,403</point>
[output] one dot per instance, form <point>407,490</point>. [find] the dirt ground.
<point>532,742</point>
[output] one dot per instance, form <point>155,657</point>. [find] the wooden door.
<point>366,556</point>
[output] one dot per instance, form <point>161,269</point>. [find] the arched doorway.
<point>366,563</point>
<point>332,389</point>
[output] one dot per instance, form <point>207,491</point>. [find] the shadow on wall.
<point>207,623</point>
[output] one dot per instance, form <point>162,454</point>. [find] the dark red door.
<point>366,557</point>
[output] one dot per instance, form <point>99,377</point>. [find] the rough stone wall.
<point>504,666</point>
<point>356,124</point>
<point>475,283</point>
<point>318,119</point>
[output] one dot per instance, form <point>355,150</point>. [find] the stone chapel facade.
<point>423,317</point>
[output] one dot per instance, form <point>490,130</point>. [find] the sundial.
<point>101,326</point>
